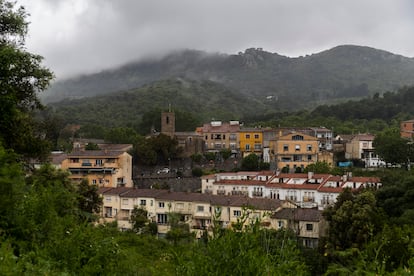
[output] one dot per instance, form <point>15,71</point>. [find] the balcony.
<point>221,192</point>
<point>308,199</point>
<point>242,193</point>
<point>258,194</point>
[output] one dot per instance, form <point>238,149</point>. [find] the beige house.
<point>294,150</point>
<point>105,168</point>
<point>361,147</point>
<point>221,135</point>
<point>308,224</point>
<point>197,210</point>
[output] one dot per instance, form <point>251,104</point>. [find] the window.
<point>309,227</point>
<point>247,136</point>
<point>297,138</point>
<point>285,147</point>
<point>257,146</point>
<point>74,160</point>
<point>143,202</point>
<point>94,181</point>
<point>125,201</point>
<point>233,136</point>
<point>200,208</point>
<point>297,157</point>
<point>98,162</point>
<point>280,223</point>
<point>297,147</point>
<point>237,213</point>
<point>179,206</point>
<point>162,218</point>
<point>309,147</point>
<point>161,204</point>
<point>108,199</point>
<point>256,136</point>
<point>224,136</point>
<point>309,157</point>
<point>247,147</point>
<point>108,212</point>
<point>86,162</point>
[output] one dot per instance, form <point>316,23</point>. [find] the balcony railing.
<point>221,192</point>
<point>244,193</point>
<point>257,194</point>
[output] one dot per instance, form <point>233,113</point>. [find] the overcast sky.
<point>83,36</point>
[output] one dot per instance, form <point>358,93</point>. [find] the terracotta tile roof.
<point>95,153</point>
<point>223,128</point>
<point>239,182</point>
<point>299,214</point>
<point>57,158</point>
<point>215,200</point>
<point>113,191</point>
<point>364,137</point>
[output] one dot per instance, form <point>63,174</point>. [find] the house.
<point>199,211</point>
<point>221,135</point>
<point>251,141</point>
<point>323,134</point>
<point>360,147</point>
<point>294,150</point>
<point>407,129</point>
<point>308,224</point>
<point>305,190</point>
<point>105,168</point>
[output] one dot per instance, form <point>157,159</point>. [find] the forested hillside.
<point>194,102</point>
<point>339,73</point>
<point>198,102</point>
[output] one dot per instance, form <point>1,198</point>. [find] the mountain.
<point>340,73</point>
<point>194,103</point>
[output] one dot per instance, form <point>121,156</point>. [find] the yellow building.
<point>294,150</point>
<point>251,141</point>
<point>104,168</point>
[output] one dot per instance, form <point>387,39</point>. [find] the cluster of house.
<point>276,200</point>
<point>202,212</point>
<point>283,148</point>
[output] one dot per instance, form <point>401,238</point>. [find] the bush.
<point>197,172</point>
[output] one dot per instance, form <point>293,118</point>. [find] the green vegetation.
<point>48,224</point>
<point>22,77</point>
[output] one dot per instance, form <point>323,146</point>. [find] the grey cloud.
<point>100,34</point>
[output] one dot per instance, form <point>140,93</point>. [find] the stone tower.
<point>168,123</point>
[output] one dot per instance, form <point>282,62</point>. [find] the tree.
<point>318,167</point>
<point>391,147</point>
<point>139,219</point>
<point>250,162</point>
<point>22,78</point>
<point>353,220</point>
<point>89,201</point>
<point>92,146</point>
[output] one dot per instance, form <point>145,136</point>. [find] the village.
<point>283,196</point>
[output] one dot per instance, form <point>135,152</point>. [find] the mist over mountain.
<point>340,73</point>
